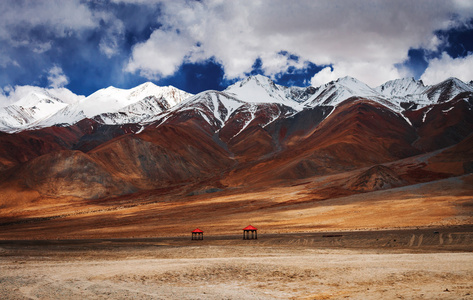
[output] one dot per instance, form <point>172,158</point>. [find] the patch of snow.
<point>140,130</point>
<point>406,118</point>
<point>425,114</point>
<point>447,110</point>
<point>217,113</point>
<point>252,111</point>
<point>274,118</point>
<point>204,116</point>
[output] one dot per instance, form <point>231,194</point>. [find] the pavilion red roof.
<point>197,230</point>
<point>249,227</point>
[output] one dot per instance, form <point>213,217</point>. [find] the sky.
<point>86,45</point>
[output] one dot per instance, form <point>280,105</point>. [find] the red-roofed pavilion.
<point>250,233</point>
<point>197,234</point>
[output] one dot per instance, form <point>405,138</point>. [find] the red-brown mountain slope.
<point>164,156</point>
<point>358,133</point>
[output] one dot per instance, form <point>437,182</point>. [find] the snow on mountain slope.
<point>401,88</point>
<point>21,95</point>
<point>239,105</point>
<point>407,93</point>
<point>113,99</point>
<point>261,89</point>
<point>34,105</point>
<point>300,94</point>
<point>216,106</point>
<point>248,99</point>
<point>118,103</point>
<point>213,106</point>
<point>137,112</point>
<point>447,90</point>
<point>335,92</point>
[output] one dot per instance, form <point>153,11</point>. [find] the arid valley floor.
<point>412,242</point>
<point>392,264</point>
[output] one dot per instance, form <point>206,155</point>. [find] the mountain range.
<point>147,102</point>
<point>151,142</point>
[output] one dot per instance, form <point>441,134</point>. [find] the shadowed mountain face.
<point>69,173</point>
<point>85,135</point>
<point>164,156</point>
<point>356,134</point>
<point>442,125</point>
<point>24,146</point>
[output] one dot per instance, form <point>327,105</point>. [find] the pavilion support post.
<point>250,233</point>
<point>197,234</point>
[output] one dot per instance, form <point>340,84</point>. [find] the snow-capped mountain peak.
<point>337,91</point>
<point>33,106</point>
<point>347,80</point>
<point>260,89</point>
<point>457,83</point>
<point>258,79</point>
<point>245,100</point>
<point>117,106</point>
<point>401,87</point>
<point>356,87</point>
<point>43,104</point>
<point>215,105</point>
<point>447,90</point>
<point>254,99</point>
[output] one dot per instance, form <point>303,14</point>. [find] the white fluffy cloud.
<point>161,54</point>
<point>324,76</point>
<point>364,39</point>
<point>441,68</point>
<point>114,35</point>
<point>59,16</point>
<point>364,71</point>
<point>57,78</point>
<point>36,24</point>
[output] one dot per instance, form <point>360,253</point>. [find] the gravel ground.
<point>224,271</point>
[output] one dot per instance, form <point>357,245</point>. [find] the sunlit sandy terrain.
<point>416,264</point>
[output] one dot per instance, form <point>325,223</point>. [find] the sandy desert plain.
<point>391,244</point>
<point>394,264</point>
